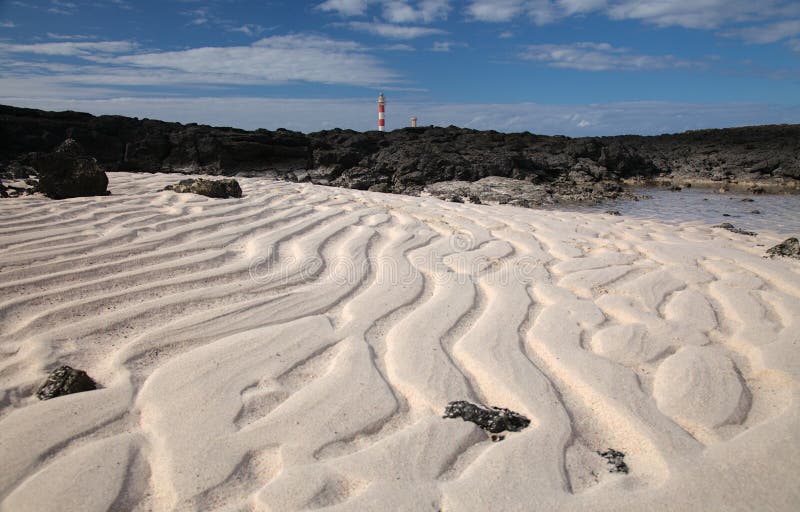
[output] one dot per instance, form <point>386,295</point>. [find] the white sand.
<point>295,350</point>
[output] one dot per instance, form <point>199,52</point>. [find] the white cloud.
<point>71,49</point>
<point>249,29</point>
<point>581,6</point>
<point>399,48</point>
<point>359,114</point>
<point>7,24</point>
<point>62,7</point>
<point>506,35</point>
<point>272,60</point>
<point>764,34</point>
<point>426,11</point>
<point>794,45</point>
<point>69,37</point>
<point>586,56</point>
<point>539,11</point>
<point>394,31</point>
<point>698,14</point>
<point>446,46</point>
<point>122,4</point>
<point>495,10</point>
<point>345,7</point>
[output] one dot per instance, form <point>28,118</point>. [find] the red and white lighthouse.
<point>381,112</point>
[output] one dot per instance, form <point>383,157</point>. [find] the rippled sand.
<point>295,349</point>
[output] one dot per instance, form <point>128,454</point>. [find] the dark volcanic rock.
<point>490,419</point>
<point>733,229</point>
<point>616,460</point>
<point>220,189</point>
<point>789,247</point>
<point>64,381</point>
<point>69,172</point>
<point>407,160</point>
<point>130,144</point>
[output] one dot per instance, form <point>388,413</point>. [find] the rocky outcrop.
<point>130,144</point>
<point>763,158</point>
<point>789,248</point>
<point>65,380</point>
<point>220,189</point>
<point>69,172</point>
<point>515,192</point>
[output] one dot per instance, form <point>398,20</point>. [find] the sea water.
<point>778,213</point>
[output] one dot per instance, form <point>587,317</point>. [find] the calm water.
<point>779,213</point>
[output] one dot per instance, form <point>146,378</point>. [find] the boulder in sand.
<point>69,172</point>
<point>220,189</point>
<point>65,380</point>
<point>789,247</point>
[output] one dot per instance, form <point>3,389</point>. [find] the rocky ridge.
<point>453,163</point>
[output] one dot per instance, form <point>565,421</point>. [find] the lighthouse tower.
<point>381,112</point>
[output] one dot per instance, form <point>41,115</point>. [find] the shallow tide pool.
<point>779,213</point>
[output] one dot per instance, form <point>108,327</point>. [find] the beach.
<point>295,349</point>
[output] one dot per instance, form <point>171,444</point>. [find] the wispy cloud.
<point>765,34</point>
<point>426,11</point>
<point>272,60</point>
<point>69,37</point>
<point>71,49</point>
<point>122,4</point>
<point>446,46</point>
<point>587,56</point>
<point>197,16</point>
<point>401,47</point>
<point>249,29</point>
<point>394,31</point>
<point>705,14</point>
<point>62,7</point>
<point>345,7</point>
<point>7,24</point>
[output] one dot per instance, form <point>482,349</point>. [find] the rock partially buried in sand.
<point>490,419</point>
<point>68,172</point>
<point>65,381</point>
<point>616,460</point>
<point>698,387</point>
<point>733,229</point>
<point>220,189</point>
<point>789,247</point>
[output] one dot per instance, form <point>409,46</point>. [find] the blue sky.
<point>574,67</point>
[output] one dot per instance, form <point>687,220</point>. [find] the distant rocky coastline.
<point>453,163</point>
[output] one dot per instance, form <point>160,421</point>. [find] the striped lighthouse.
<point>381,112</point>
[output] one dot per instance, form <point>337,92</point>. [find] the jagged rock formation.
<point>408,160</point>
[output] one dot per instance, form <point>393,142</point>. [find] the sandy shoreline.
<point>294,349</point>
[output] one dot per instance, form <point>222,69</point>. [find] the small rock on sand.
<point>65,380</point>
<point>789,247</point>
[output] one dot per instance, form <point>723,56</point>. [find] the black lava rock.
<point>220,189</point>
<point>789,247</point>
<point>490,419</point>
<point>733,229</point>
<point>69,172</point>
<point>65,381</point>
<point>616,460</point>
<point>613,212</point>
